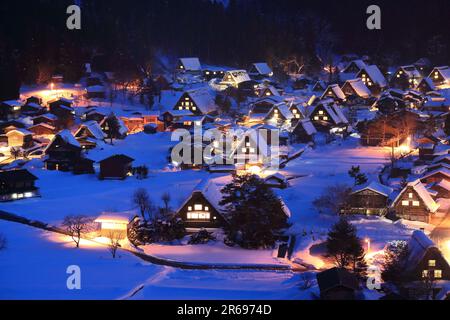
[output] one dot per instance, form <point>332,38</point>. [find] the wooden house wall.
<point>410,212</point>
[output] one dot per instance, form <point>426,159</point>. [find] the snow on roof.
<point>94,128</point>
<point>307,126</point>
<point>123,129</point>
<point>191,64</point>
<point>49,116</point>
<point>67,136</point>
<point>444,184</point>
<point>422,193</point>
<point>276,176</point>
<point>13,103</point>
<point>43,124</point>
<point>418,245</point>
<point>113,217</point>
<point>179,113</point>
<point>444,71</point>
<point>376,187</point>
<point>359,87</point>
<point>23,132</point>
<point>238,76</point>
<point>375,74</point>
<point>335,113</point>
<point>273,90</point>
<point>359,64</point>
<point>203,100</point>
<point>336,90</point>
<point>284,110</point>
<point>411,71</point>
<point>210,191</point>
<point>442,170</point>
<point>263,68</point>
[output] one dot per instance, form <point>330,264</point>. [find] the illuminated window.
<point>14,195</point>
<point>180,108</point>
<point>198,207</point>
<point>437,274</point>
<point>276,111</point>
<point>294,111</point>
<point>405,203</point>
<point>207,72</point>
<point>244,150</point>
<point>198,215</point>
<point>325,118</point>
<point>113,226</point>
<point>206,208</point>
<point>320,111</point>
<point>316,118</point>
<point>187,99</point>
<point>247,144</point>
<point>424,273</point>
<point>432,263</point>
<point>189,208</point>
<point>410,195</point>
<point>297,116</point>
<point>416,204</point>
<point>28,194</point>
<point>194,108</point>
<point>252,150</point>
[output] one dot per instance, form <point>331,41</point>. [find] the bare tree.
<point>76,226</point>
<point>166,198</point>
<point>333,199</point>
<point>15,152</point>
<point>142,200</point>
<point>3,242</point>
<point>114,242</point>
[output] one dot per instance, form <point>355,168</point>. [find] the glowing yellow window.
<point>194,108</point>
<point>198,207</point>
<point>180,108</point>
<point>316,118</point>
<point>325,118</point>
<point>424,273</point>
<point>437,274</point>
<point>405,203</point>
<point>432,263</point>
<point>244,150</point>
<point>416,204</point>
<point>410,195</point>
<point>320,112</point>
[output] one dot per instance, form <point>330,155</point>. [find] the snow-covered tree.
<point>255,214</point>
<point>346,248</point>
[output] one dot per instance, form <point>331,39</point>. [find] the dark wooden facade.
<point>116,167</point>
<point>62,156</point>
<point>187,103</point>
<point>198,212</point>
<point>367,202</point>
<point>410,206</point>
<point>17,184</point>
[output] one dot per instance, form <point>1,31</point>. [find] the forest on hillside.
<point>122,35</point>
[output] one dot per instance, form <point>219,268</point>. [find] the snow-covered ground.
<point>34,264</point>
<point>65,193</point>
<point>213,253</point>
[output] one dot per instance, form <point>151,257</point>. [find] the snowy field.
<point>35,262</point>
<point>65,193</point>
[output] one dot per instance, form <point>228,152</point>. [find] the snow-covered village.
<point>242,165</point>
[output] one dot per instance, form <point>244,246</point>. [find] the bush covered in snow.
<point>201,237</point>
<point>159,230</point>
